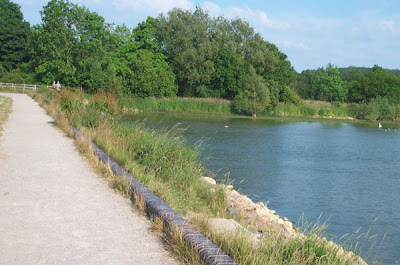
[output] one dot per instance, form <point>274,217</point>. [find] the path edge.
<point>209,253</point>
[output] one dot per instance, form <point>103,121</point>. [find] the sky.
<point>312,33</point>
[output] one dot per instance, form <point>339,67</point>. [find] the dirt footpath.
<point>54,209</point>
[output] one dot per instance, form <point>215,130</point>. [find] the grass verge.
<point>5,109</point>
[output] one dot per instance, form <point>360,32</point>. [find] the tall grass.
<point>5,109</point>
<point>310,108</point>
<point>275,248</point>
<point>162,162</point>
<point>15,91</point>
<point>188,105</point>
<point>305,108</point>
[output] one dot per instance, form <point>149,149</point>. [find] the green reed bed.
<point>312,109</point>
<point>188,105</point>
<point>219,106</point>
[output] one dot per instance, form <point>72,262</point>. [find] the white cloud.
<point>154,6</point>
<point>257,18</point>
<point>88,2</point>
<point>295,45</point>
<point>387,25</point>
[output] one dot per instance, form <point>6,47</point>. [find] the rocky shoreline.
<point>258,220</point>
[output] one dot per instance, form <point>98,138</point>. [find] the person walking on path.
<point>55,209</point>
<point>53,85</point>
<point>58,86</point>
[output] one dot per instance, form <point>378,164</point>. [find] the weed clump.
<point>5,109</point>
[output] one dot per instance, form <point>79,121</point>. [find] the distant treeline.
<point>352,84</point>
<point>181,53</point>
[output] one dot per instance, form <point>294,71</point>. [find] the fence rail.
<point>19,86</point>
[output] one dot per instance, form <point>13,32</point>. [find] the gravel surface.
<point>54,209</point>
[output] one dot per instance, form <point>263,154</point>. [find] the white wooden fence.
<point>19,86</point>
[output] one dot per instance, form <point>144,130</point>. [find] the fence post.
<point>24,86</point>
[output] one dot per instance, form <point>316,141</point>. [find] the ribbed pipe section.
<point>155,207</point>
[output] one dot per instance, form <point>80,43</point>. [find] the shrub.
<point>17,76</point>
<point>288,95</point>
<point>377,108</point>
<point>106,104</point>
<point>383,107</point>
<point>69,100</point>
<point>102,108</point>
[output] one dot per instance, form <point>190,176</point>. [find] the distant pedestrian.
<point>53,85</point>
<point>58,86</point>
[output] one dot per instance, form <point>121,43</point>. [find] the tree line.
<point>351,84</point>
<point>180,53</point>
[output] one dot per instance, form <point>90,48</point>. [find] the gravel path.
<point>54,209</point>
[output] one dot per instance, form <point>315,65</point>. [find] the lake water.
<point>348,171</point>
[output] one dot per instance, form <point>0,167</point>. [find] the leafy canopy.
<point>14,34</point>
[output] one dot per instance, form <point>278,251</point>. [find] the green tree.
<point>254,94</point>
<point>74,46</point>
<point>146,36</point>
<point>53,42</point>
<point>303,84</point>
<point>187,44</point>
<point>14,34</point>
<point>329,84</point>
<point>351,77</point>
<point>152,76</point>
<point>225,80</point>
<point>143,66</point>
<point>281,76</point>
<point>380,82</point>
<point>208,55</point>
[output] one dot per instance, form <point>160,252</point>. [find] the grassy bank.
<point>308,108</point>
<point>377,109</point>
<point>5,109</point>
<point>219,106</point>
<point>162,162</point>
<point>180,105</point>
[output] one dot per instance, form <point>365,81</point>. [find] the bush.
<point>102,108</point>
<point>383,107</point>
<point>254,95</point>
<point>104,103</point>
<point>92,118</point>
<point>70,101</point>
<point>17,76</point>
<point>287,95</point>
<point>377,108</point>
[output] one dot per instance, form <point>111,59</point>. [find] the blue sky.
<point>312,33</point>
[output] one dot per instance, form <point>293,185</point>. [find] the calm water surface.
<point>348,171</point>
